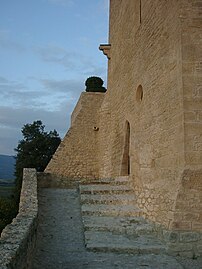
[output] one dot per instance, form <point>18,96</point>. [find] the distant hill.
<point>7,168</point>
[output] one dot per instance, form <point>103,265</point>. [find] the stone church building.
<point>148,125</point>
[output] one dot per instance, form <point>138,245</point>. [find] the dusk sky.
<point>48,48</point>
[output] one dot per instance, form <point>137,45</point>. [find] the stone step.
<point>109,242</point>
<point>110,210</point>
<point>108,199</point>
<point>113,181</point>
<point>120,225</point>
<point>104,188</point>
<point>112,222</point>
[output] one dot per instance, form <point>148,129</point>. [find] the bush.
<point>94,84</point>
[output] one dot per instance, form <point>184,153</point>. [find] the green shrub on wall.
<point>94,84</point>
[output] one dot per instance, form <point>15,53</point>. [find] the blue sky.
<point>48,48</point>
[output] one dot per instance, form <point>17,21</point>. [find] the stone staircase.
<point>112,222</point>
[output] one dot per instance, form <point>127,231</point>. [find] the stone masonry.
<point>148,125</point>
<point>61,242</point>
<point>17,241</point>
<point>77,152</point>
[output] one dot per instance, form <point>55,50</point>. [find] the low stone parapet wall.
<point>18,239</point>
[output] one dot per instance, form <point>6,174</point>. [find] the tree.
<point>94,84</point>
<point>37,147</point>
<point>34,151</point>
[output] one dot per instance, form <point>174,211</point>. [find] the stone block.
<point>191,216</point>
<point>179,247</point>
<point>181,225</point>
<point>197,226</point>
<point>170,236</point>
<point>199,249</point>
<point>189,237</point>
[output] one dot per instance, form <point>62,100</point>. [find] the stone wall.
<point>191,22</point>
<point>186,217</point>
<point>17,240</point>
<point>77,155</point>
<point>150,123</point>
<point>188,207</point>
<point>154,84</point>
<point>145,56</point>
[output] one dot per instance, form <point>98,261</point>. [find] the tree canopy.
<point>36,148</point>
<point>33,151</point>
<point>94,84</point>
